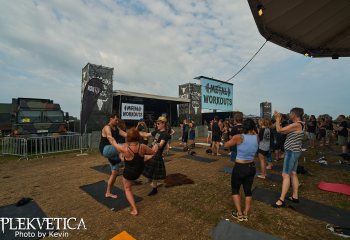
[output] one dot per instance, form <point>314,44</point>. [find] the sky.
<point>154,46</point>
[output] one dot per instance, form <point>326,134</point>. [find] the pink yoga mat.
<point>335,187</point>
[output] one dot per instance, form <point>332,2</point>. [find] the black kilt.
<point>155,168</point>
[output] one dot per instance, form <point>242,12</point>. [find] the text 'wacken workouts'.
<point>41,227</point>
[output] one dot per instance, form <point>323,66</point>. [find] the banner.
<point>192,110</point>
<point>97,97</point>
<point>216,94</point>
<point>132,111</point>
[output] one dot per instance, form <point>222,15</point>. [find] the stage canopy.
<point>316,28</point>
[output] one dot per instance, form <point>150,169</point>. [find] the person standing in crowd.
<point>155,169</point>
<point>142,127</point>
<point>110,133</point>
<point>342,130</point>
<point>329,130</point>
<point>216,138</point>
<point>192,133</point>
<point>209,132</point>
<point>171,132</point>
<point>264,145</point>
<point>292,148</point>
<point>244,170</point>
<point>185,129</point>
<point>321,131</point>
<point>311,130</point>
<point>133,152</point>
<point>225,132</point>
<point>235,130</point>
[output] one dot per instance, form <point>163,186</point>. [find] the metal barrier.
<point>32,146</point>
<point>14,146</point>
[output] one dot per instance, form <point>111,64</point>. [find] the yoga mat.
<point>316,210</point>
<point>97,191</point>
<point>200,158</point>
<point>29,210</point>
<point>270,176</point>
<point>273,177</point>
<point>335,187</point>
<point>276,168</point>
<point>177,149</point>
<point>345,167</point>
<point>106,169</point>
<point>203,144</point>
<point>226,230</point>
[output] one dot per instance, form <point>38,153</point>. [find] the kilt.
<point>155,168</point>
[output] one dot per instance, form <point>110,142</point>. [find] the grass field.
<point>182,212</point>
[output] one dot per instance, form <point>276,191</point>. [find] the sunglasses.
<point>158,123</point>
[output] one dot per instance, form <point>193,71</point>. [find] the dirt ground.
<point>182,212</point>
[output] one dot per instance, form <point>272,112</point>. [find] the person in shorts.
<point>292,148</point>
<point>110,133</point>
<point>342,132</point>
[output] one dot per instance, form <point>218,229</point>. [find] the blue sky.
<point>154,46</point>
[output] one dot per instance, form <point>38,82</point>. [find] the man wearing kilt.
<point>154,168</point>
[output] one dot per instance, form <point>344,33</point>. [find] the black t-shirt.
<point>158,137</point>
<point>329,125</point>
<point>104,140</point>
<point>311,126</point>
<point>216,129</point>
<point>185,128</point>
<point>344,131</point>
<point>285,123</point>
<point>236,129</point>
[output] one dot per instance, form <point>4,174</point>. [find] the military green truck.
<point>32,117</point>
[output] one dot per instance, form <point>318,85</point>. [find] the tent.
<point>315,28</point>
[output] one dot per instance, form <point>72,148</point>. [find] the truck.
<point>32,117</point>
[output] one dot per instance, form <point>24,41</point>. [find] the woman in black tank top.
<point>134,153</point>
<point>134,167</point>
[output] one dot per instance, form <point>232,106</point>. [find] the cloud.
<point>154,46</point>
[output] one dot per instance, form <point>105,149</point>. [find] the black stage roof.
<point>316,28</point>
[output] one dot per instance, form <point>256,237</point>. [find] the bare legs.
<point>237,201</point>
<point>110,184</point>
<point>262,159</point>
<point>215,148</point>
<point>129,195</point>
<point>287,179</point>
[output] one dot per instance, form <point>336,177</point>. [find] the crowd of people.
<point>279,138</point>
<point>284,136</point>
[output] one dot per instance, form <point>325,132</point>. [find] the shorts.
<point>264,153</point>
<point>209,133</point>
<point>290,163</point>
<point>185,137</point>
<point>243,174</point>
<point>311,136</point>
<point>322,133</point>
<point>216,138</point>
<point>192,135</point>
<point>342,140</point>
<point>112,155</point>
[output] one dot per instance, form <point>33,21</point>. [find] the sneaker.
<point>245,218</point>
<point>261,176</point>
<point>235,215</point>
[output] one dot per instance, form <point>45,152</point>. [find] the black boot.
<point>153,192</point>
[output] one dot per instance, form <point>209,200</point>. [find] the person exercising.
<point>111,133</point>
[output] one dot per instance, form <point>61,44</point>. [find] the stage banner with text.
<point>132,111</point>
<point>216,94</point>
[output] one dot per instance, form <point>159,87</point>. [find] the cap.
<point>161,119</point>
